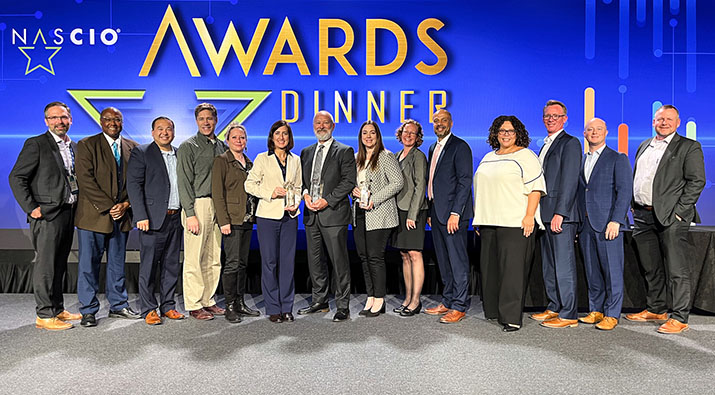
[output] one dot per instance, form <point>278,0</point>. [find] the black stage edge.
<point>16,272</point>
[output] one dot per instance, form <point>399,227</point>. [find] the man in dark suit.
<point>44,184</point>
<point>103,217</point>
<point>604,195</point>
<point>153,191</point>
<point>449,192</point>
<point>329,174</point>
<point>668,177</point>
<point>560,157</point>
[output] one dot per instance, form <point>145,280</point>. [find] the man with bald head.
<point>604,194</point>
<point>103,217</point>
<point>329,174</point>
<point>668,178</point>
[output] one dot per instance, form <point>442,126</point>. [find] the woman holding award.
<point>379,179</point>
<point>235,218</point>
<point>276,181</point>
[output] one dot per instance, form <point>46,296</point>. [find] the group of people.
<point>209,192</point>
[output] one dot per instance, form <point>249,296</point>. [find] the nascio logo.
<point>39,52</point>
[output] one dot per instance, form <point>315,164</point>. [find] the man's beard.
<point>324,136</point>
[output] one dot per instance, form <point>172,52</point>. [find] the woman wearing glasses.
<point>507,187</point>
<point>409,236</point>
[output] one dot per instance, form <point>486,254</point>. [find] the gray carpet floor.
<point>382,355</point>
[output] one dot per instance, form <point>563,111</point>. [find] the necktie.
<point>317,167</point>
<point>432,166</point>
<point>115,149</point>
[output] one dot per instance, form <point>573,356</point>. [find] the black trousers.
<point>236,245</point>
<point>159,251</point>
<point>370,247</point>
<point>335,239</point>
<point>662,252</point>
<point>52,241</point>
<point>504,262</point>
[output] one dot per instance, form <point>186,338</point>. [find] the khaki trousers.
<point>202,257</point>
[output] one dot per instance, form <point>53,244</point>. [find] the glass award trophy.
<point>316,192</point>
<point>364,195</point>
<point>292,196</point>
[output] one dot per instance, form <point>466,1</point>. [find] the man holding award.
<point>329,175</point>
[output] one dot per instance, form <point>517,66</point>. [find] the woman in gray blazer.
<point>379,180</point>
<point>409,236</point>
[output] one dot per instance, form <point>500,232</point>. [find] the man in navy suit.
<point>44,183</point>
<point>668,177</point>
<point>560,157</point>
<point>449,191</point>
<point>604,195</point>
<point>154,194</point>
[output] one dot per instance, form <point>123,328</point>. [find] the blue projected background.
<point>383,60</point>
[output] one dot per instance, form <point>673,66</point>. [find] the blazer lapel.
<point>582,171</point>
<point>328,155</point>
<point>669,150</point>
<point>155,155</point>
<point>56,153</point>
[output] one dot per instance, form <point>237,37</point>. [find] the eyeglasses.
<point>554,116</point>
<point>107,119</point>
<point>63,118</point>
<point>507,132</point>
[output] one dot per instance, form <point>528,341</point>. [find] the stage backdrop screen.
<point>261,61</point>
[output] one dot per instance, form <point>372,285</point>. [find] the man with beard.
<point>202,236</point>
<point>44,183</point>
<point>103,217</point>
<point>329,174</point>
<point>449,192</point>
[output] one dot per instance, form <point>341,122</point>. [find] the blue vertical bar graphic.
<point>590,29</point>
<point>623,39</point>
<point>691,45</point>
<point>674,7</point>
<point>658,28</point>
<point>640,12</point>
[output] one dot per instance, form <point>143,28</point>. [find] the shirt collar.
<point>598,152</point>
<point>554,136</point>
<point>207,140</point>
<point>444,140</point>
<point>59,140</point>
<point>667,140</point>
<point>111,140</point>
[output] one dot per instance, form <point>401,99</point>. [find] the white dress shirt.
<point>547,144</point>
<point>590,163</point>
<point>646,167</point>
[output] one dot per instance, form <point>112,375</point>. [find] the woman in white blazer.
<point>378,172</point>
<point>276,180</point>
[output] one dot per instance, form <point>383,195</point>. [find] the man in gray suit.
<point>329,175</point>
<point>43,182</point>
<point>668,178</point>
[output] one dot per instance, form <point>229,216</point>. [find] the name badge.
<point>74,187</point>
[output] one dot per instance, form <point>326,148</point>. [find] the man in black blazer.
<point>668,177</point>
<point>153,191</point>
<point>43,182</point>
<point>560,157</point>
<point>329,174</point>
<point>449,193</point>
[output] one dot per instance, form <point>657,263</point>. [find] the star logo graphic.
<point>39,53</point>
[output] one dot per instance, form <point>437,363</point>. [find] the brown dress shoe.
<point>646,315</point>
<point>607,324</point>
<point>201,314</point>
<point>52,324</point>
<point>67,316</point>
<point>673,326</point>
<point>593,317</point>
<point>546,315</point>
<point>152,318</point>
<point>215,310</point>
<point>173,315</point>
<point>452,317</point>
<point>439,310</point>
<point>559,322</point>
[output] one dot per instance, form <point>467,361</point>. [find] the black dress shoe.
<point>277,318</point>
<point>407,312</point>
<point>126,312</point>
<point>88,320</point>
<point>288,317</point>
<point>314,308</point>
<point>231,314</point>
<point>510,328</point>
<point>371,313</point>
<point>243,309</point>
<point>398,310</point>
<point>341,315</point>
<point>364,312</point>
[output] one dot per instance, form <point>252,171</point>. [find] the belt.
<point>172,212</point>
<point>642,207</point>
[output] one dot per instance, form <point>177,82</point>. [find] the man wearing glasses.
<point>43,182</point>
<point>560,158</point>
<point>103,217</point>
